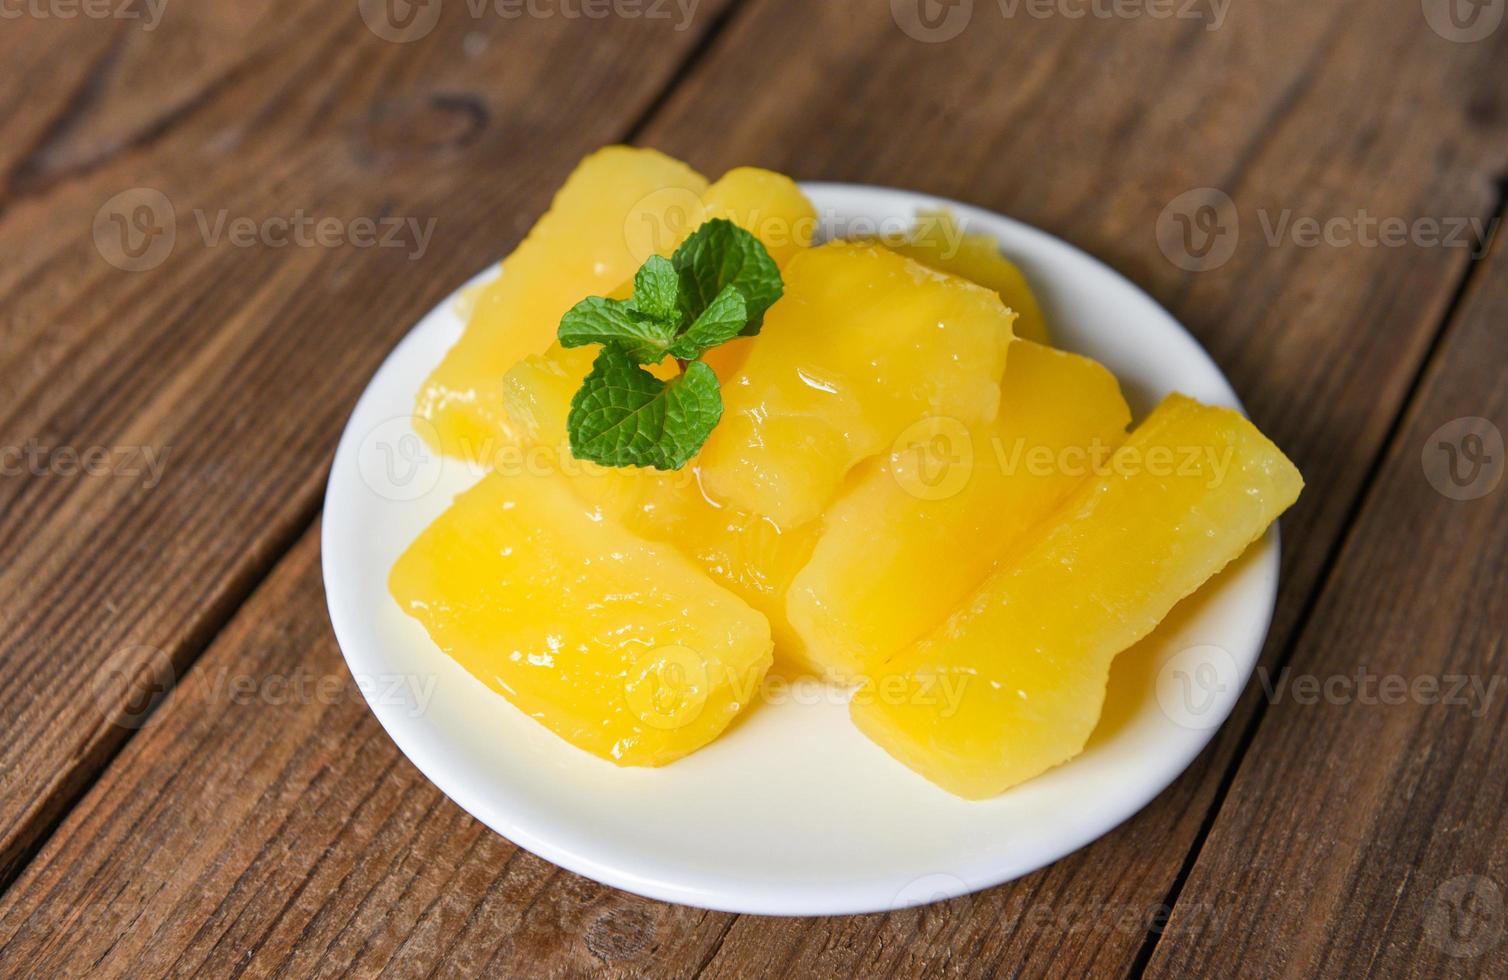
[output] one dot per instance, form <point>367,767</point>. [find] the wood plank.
<point>1087,99</point>
<point>1367,829</point>
<point>32,48</point>
<point>114,83</point>
<point>231,367</point>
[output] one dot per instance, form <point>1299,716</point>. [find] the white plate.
<point>792,811</point>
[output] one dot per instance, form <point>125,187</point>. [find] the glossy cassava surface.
<point>920,529</point>
<point>617,207</point>
<point>620,647</point>
<point>748,553</point>
<point>1025,661</point>
<point>864,344</point>
<point>939,242</point>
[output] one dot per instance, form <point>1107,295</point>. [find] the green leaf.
<point>625,416</point>
<point>721,254</point>
<point>595,320</point>
<point>657,290</point>
<point>717,286</point>
<point>719,323</point>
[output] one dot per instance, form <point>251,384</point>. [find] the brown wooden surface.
<point>1350,859</point>
<point>236,366</point>
<point>235,834</point>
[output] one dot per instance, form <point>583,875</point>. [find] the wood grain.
<point>1089,129</point>
<point>1367,829</point>
<point>233,367</point>
<point>230,836</point>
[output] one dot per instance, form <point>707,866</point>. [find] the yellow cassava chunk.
<point>766,204</point>
<point>749,554</point>
<point>773,209</point>
<point>903,547</point>
<point>863,344</point>
<point>621,647</point>
<point>938,242</point>
<point>616,206</point>
<point>1012,683</point>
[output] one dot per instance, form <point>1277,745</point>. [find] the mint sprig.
<point>594,320</point>
<point>726,317</point>
<point>721,254</point>
<point>625,416</point>
<point>716,287</point>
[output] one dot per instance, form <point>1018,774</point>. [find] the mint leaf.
<point>595,320</point>
<point>625,416</point>
<point>657,290</point>
<point>717,286</point>
<point>721,254</point>
<point>719,323</point>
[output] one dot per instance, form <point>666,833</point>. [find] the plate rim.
<point>733,896</point>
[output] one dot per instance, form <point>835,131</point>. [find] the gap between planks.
<point>1470,277</point>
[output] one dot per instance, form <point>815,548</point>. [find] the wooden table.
<point>191,783</point>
